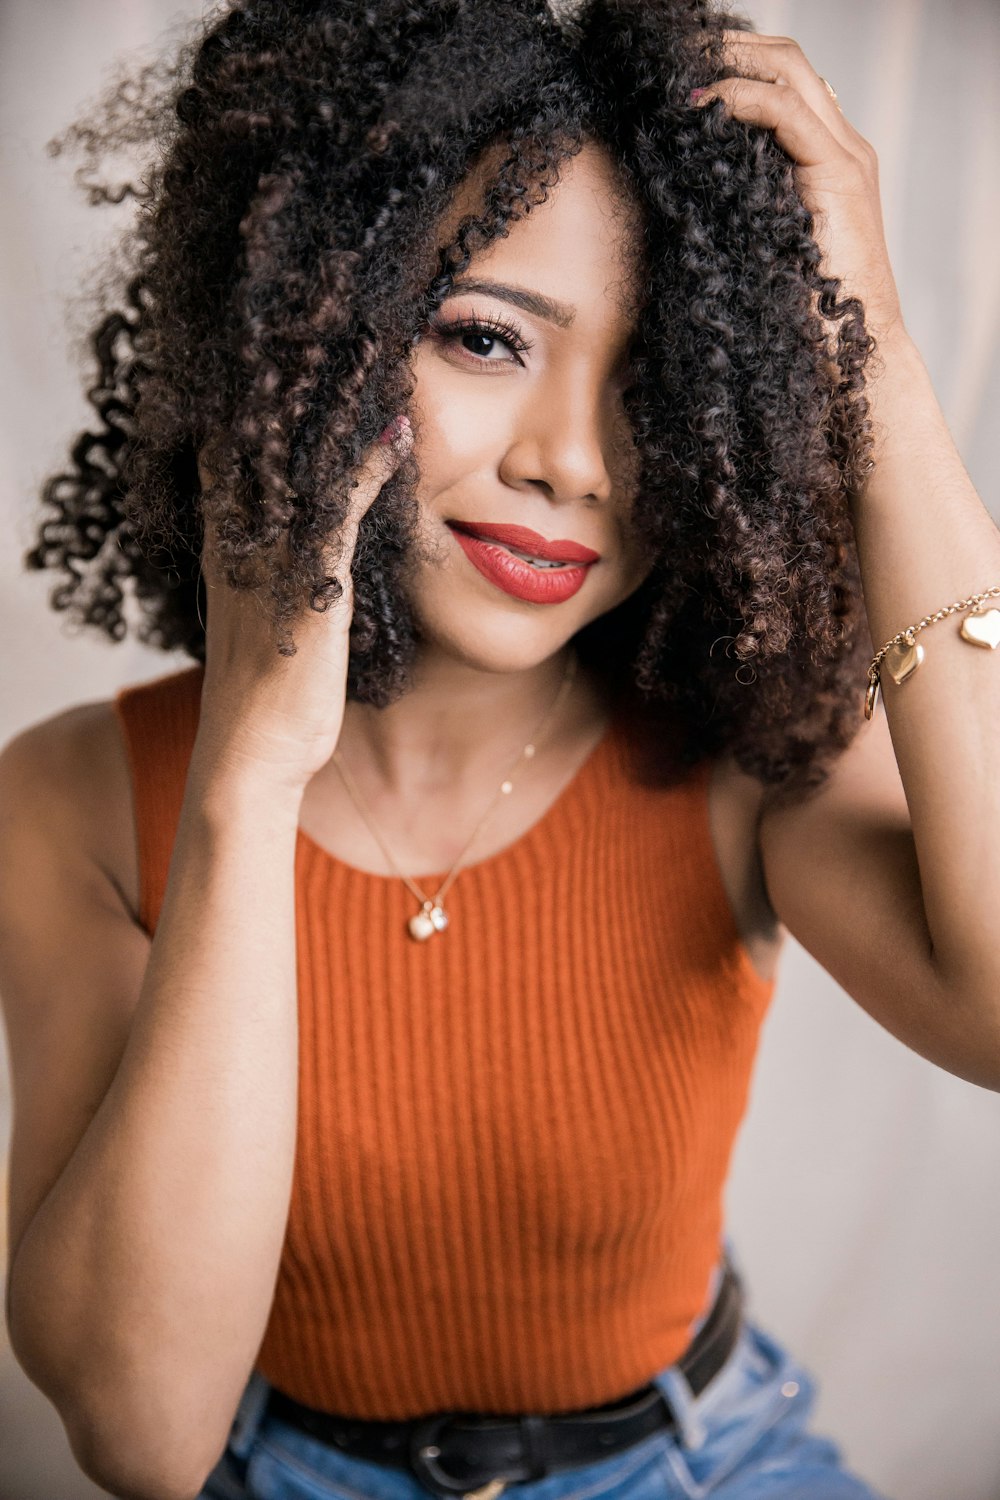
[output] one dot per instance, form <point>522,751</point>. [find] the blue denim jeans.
<point>742,1438</point>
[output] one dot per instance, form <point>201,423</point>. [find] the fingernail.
<point>696,94</point>
<point>395,430</point>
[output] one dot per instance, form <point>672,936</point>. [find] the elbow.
<point>132,1470</point>
<point>964,1034</point>
<point>971,1001</point>
<point>135,1427</point>
<point>133,1446</point>
<point>130,1458</point>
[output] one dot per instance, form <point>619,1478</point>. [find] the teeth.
<point>536,562</point>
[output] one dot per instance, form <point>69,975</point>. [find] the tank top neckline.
<point>557,809</point>
<point>612,742</point>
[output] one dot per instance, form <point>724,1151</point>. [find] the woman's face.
<point>524,425</point>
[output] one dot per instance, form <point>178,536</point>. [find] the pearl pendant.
<point>431,919</point>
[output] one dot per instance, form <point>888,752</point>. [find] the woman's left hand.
<point>836,169</point>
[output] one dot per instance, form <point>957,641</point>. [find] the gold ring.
<point>830,90</point>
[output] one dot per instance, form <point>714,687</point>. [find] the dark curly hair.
<point>284,261</point>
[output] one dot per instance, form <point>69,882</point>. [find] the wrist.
<point>904,411</point>
<point>226,785</point>
<point>895,344</point>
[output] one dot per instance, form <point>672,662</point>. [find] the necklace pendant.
<point>431,919</point>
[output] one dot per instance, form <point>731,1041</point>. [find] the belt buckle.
<point>424,1453</point>
<point>487,1491</point>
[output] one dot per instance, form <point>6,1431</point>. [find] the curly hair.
<point>284,261</point>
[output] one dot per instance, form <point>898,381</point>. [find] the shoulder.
<point>69,773</point>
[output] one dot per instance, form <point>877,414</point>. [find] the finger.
<point>781,108</point>
<point>209,567</point>
<point>380,462</point>
<point>780,59</point>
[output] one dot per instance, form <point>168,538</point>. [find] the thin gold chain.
<point>908,634</point>
<point>505,787</point>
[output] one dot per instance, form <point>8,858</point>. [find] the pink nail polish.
<point>696,94</point>
<point>395,429</point>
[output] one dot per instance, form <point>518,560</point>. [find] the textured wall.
<point>863,1197</point>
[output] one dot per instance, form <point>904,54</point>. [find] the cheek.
<point>448,442</point>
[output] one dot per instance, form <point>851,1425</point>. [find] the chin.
<point>491,650</point>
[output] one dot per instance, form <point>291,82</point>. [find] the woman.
<point>377,1079</point>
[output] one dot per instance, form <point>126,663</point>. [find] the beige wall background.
<point>863,1201</point>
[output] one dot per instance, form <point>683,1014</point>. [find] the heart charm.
<point>902,660</point>
<point>872,696</point>
<point>421,926</point>
<point>982,628</point>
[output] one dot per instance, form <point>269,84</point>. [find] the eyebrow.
<point>560,313</point>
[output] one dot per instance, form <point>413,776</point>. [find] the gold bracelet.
<point>902,655</point>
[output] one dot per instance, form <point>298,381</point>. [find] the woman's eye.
<point>482,341</point>
<point>469,339</point>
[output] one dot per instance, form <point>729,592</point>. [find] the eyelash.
<point>494,328</point>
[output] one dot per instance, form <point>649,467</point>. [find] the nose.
<point>568,444</point>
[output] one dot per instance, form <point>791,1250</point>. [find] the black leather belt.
<point>458,1453</point>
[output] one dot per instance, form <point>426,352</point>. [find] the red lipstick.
<point>513,574</point>
<point>523,539</point>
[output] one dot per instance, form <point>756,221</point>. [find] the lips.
<point>513,575</point>
<point>523,539</point>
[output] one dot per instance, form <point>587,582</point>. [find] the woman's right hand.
<point>279,717</point>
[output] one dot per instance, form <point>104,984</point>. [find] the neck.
<point>457,726</point>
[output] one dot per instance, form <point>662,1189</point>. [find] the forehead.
<point>584,244</point>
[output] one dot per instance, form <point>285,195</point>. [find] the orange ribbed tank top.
<point>512,1139</point>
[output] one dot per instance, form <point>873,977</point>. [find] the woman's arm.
<point>925,541</point>
<point>890,876</point>
<point>142,1274</point>
<point>152,1165</point>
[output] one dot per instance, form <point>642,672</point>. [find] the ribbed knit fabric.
<point>513,1138</point>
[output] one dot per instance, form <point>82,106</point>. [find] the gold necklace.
<point>432,916</point>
